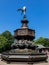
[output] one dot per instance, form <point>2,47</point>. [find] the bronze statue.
<point>23,10</point>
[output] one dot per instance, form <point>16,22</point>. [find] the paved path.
<point>41,63</point>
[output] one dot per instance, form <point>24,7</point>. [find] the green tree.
<point>10,39</point>
<point>8,36</point>
<point>39,41</point>
<point>3,43</point>
<point>46,42</point>
<point>43,41</point>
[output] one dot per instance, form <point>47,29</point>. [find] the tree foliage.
<point>3,43</point>
<point>8,36</point>
<point>6,39</point>
<point>43,41</point>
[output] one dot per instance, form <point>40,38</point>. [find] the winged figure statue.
<point>23,10</point>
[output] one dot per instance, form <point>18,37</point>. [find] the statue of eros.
<point>23,10</point>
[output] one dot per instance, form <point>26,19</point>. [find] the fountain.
<point>23,49</point>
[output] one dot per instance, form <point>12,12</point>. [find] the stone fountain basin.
<point>24,57</point>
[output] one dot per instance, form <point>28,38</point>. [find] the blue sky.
<point>37,14</point>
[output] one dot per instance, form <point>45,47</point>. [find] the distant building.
<point>40,48</point>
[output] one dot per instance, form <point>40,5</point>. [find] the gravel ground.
<point>41,63</point>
